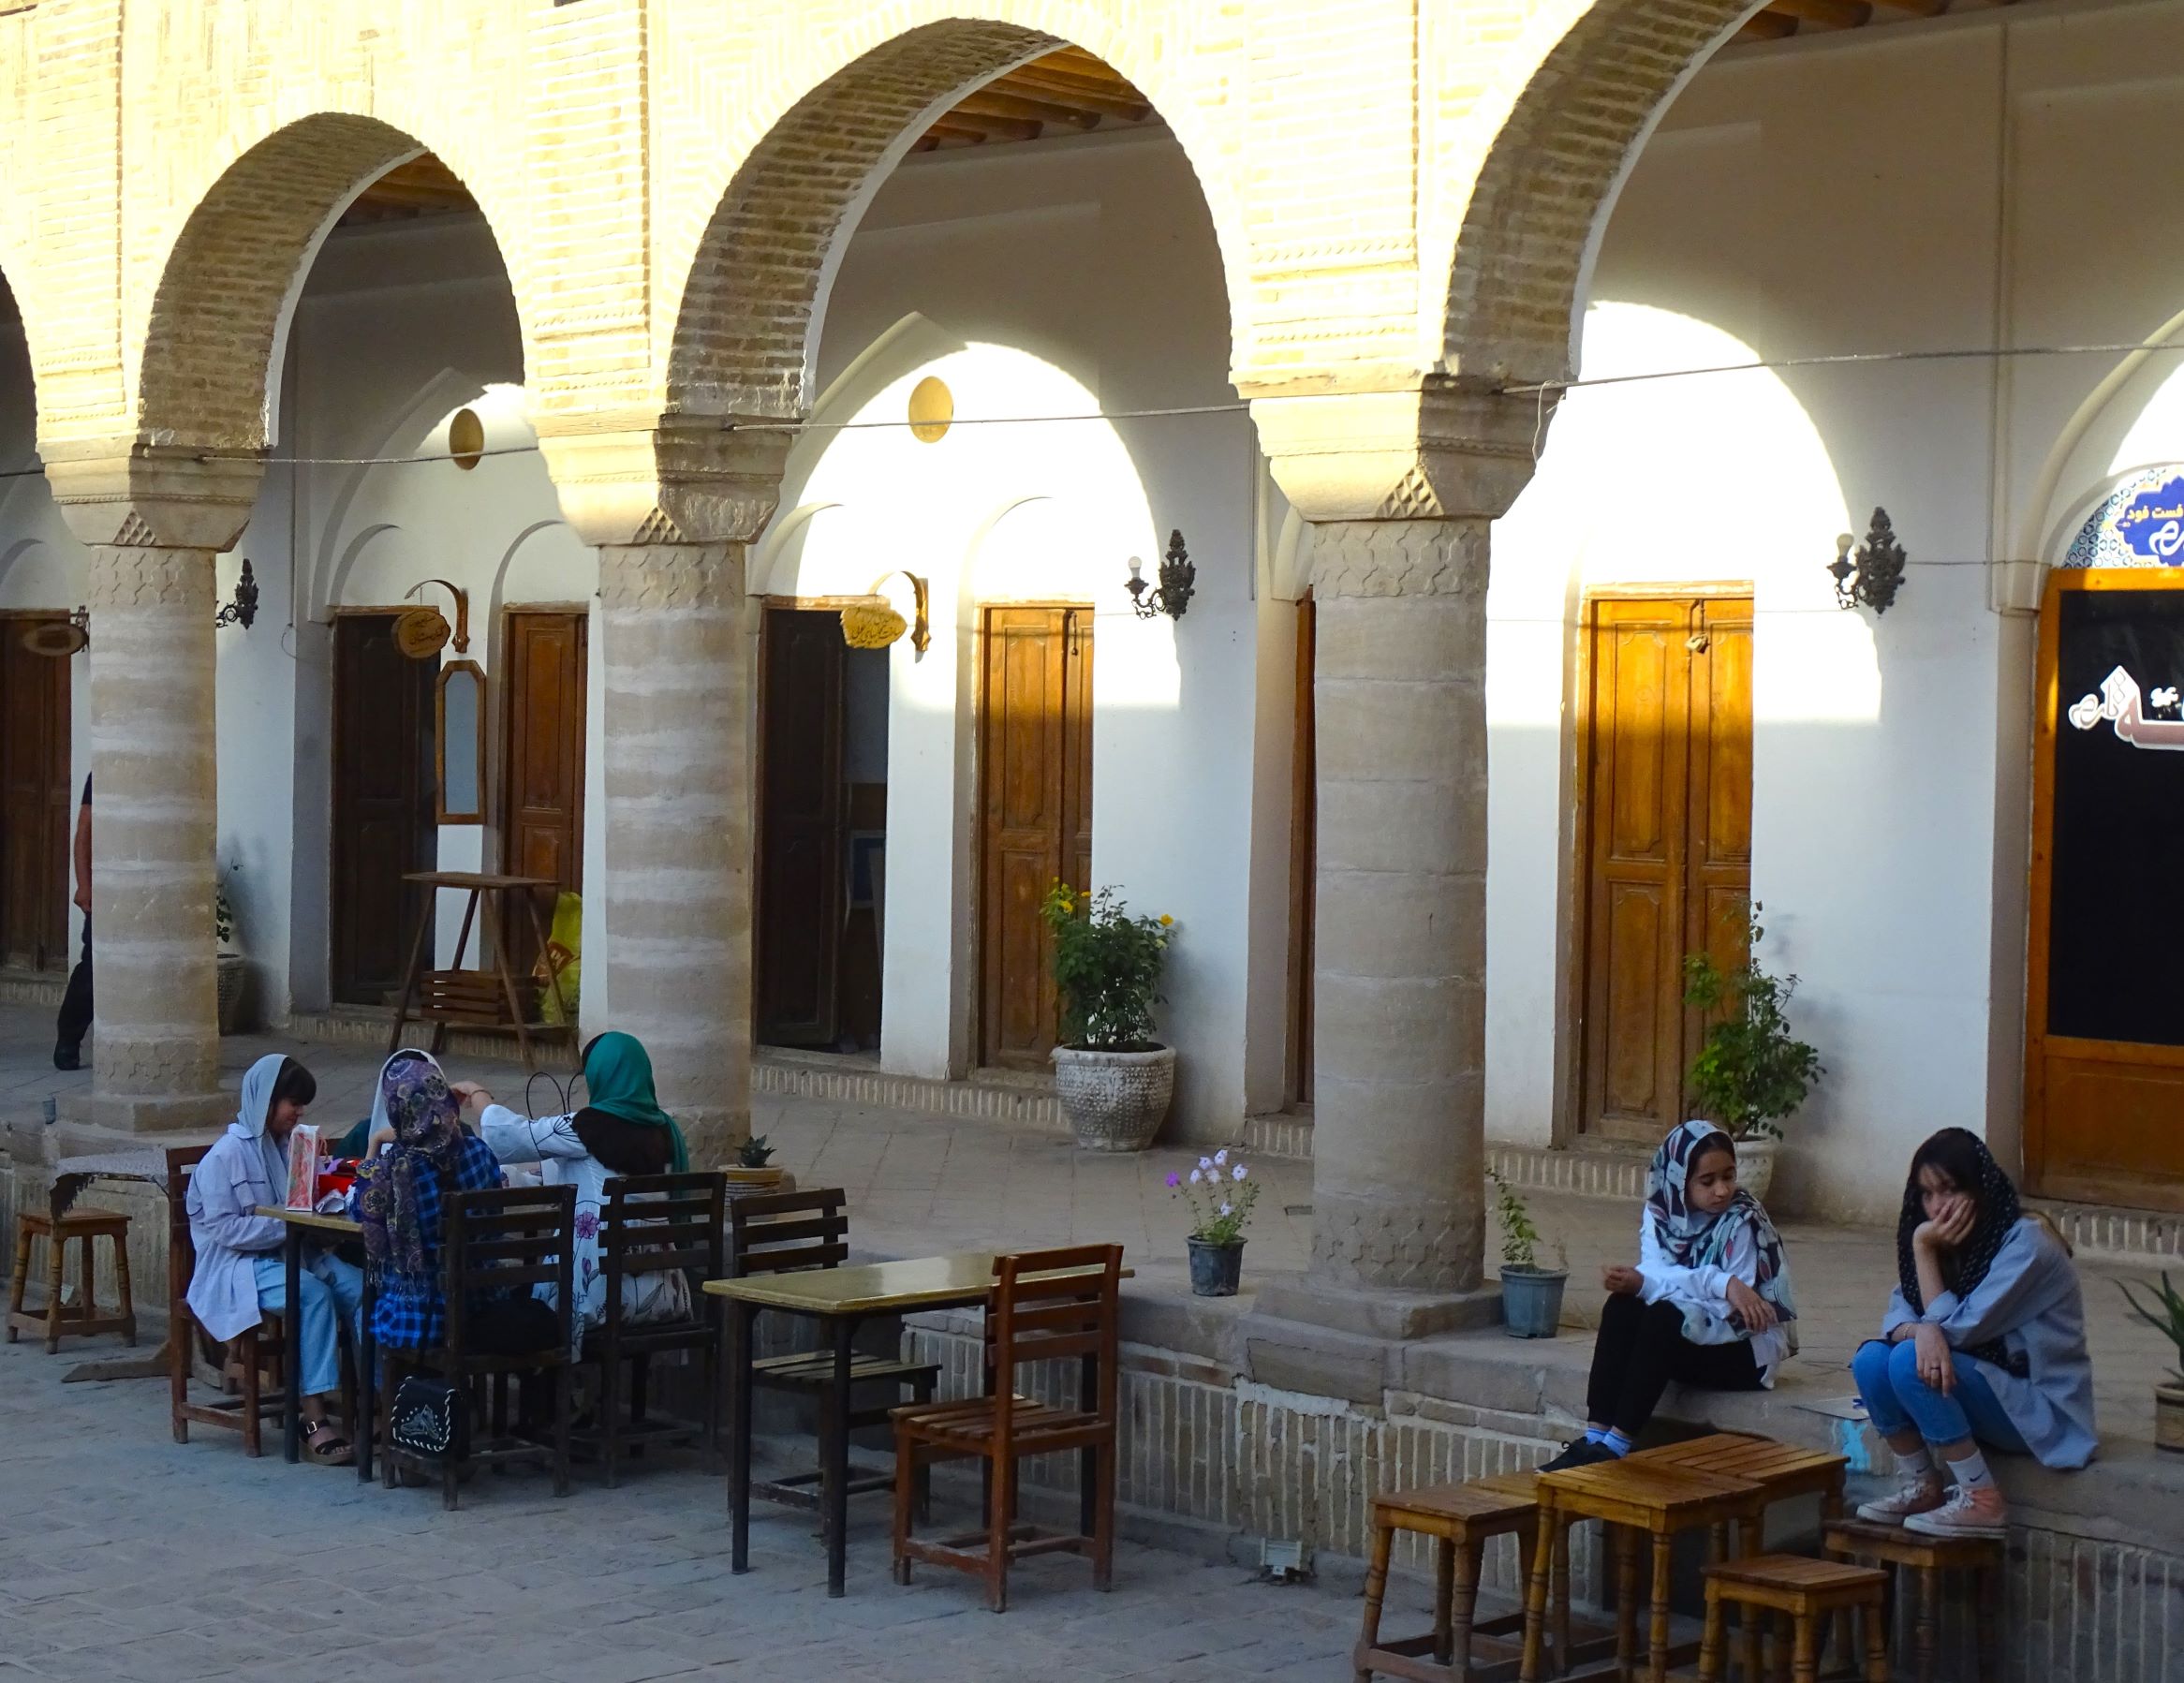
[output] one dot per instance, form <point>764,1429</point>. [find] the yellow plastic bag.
<point>563,959</point>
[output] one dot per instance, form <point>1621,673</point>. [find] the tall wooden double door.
<point>1035,815</point>
<point>36,804</point>
<point>544,656</point>
<point>383,806</point>
<point>1663,839</point>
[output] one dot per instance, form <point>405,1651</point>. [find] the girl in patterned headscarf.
<point>1708,1304</point>
<point>1984,1344</point>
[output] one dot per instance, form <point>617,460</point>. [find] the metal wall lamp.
<point>243,609</point>
<point>1178,581</point>
<point>1872,577</point>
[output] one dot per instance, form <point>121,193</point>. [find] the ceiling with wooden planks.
<point>1780,19</point>
<point>1068,92</point>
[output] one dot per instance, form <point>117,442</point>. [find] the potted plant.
<point>1219,1195</point>
<point>1531,1296</point>
<point>754,1171</point>
<point>2169,1394</point>
<point>1751,1072</point>
<point>1114,1080</point>
<point>229,965</point>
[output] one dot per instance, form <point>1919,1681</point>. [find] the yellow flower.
<point>1166,919</point>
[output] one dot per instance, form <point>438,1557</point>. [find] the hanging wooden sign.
<point>421,633</point>
<point>57,637</point>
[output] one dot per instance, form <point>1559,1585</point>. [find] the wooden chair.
<point>1047,1305</point>
<point>1808,1594</point>
<point>252,1362</point>
<point>782,1233</point>
<point>1923,1561</point>
<point>498,1243</point>
<point>84,1228</point>
<point>656,1224</point>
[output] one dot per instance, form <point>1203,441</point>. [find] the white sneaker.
<point>1978,1512</point>
<point>1922,1495</point>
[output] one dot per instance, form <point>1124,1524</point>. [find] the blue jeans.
<point>330,1288</point>
<point>1895,1397</point>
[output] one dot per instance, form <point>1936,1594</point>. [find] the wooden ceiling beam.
<point>1767,26</point>
<point>946,130</point>
<point>993,103</point>
<point>1827,14</point>
<point>1100,80</point>
<point>1119,105</point>
<point>994,128</point>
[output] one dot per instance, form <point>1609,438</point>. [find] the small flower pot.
<point>2169,1418</point>
<point>1531,1301</point>
<point>750,1182</point>
<point>1755,1164</point>
<point>1115,1100</point>
<point>1215,1269</point>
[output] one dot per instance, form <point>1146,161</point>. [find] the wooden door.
<point>542,764</point>
<point>1304,856</point>
<point>383,824</point>
<point>37,813</point>
<point>2105,1019</point>
<point>799,904</point>
<point>1664,842</point>
<point>1035,804</point>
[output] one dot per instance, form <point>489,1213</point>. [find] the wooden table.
<point>301,1224</point>
<point>839,1299</point>
<point>1656,1500</point>
<point>487,889</point>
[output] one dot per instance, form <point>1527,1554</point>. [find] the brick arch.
<point>219,313</point>
<point>746,326</point>
<point>1582,89</point>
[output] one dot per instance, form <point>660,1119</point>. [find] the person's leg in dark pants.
<point>1656,1338</point>
<point>75,1019</point>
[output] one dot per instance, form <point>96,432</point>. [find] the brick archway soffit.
<point>1553,138</point>
<point>214,324</point>
<point>744,281</point>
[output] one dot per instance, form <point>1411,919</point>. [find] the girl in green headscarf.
<point>617,1071</point>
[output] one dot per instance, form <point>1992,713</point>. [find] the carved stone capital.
<point>1437,454</point>
<point>142,496</point>
<point>1399,557</point>
<point>658,576</point>
<point>665,479</point>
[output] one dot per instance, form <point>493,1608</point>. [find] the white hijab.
<point>379,1116</point>
<point>256,1110</point>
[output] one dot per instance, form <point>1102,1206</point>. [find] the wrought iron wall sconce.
<point>1871,578</point>
<point>1178,581</point>
<point>872,623</point>
<point>243,609</point>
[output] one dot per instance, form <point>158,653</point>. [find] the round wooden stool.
<point>84,1226</point>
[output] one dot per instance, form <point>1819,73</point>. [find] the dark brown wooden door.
<point>36,807</point>
<point>799,903</point>
<point>542,767</point>
<point>1303,854</point>
<point>1665,846</point>
<point>1035,802</point>
<point>382,805</point>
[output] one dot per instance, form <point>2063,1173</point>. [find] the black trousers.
<point>1641,1348</point>
<point>75,1019</point>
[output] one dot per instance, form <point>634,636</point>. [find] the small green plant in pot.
<point>1114,1081</point>
<point>1531,1296</point>
<point>2163,1310</point>
<point>755,1170</point>
<point>1751,1072</point>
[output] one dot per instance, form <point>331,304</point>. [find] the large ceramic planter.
<point>2169,1418</point>
<point>1531,1301</point>
<point>1755,1165</point>
<point>232,971</point>
<point>1115,1100</point>
<point>1215,1269</point>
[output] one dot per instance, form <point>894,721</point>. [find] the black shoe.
<point>1580,1452</point>
<point>67,1058</point>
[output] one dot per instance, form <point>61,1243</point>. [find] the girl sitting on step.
<point>1984,1344</point>
<point>1708,1305</point>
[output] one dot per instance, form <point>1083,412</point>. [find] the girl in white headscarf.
<point>238,1272</point>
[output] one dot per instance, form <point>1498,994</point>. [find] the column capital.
<point>1433,452</point>
<point>128,495</point>
<point>644,479</point>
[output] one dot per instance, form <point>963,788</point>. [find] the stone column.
<point>155,527</point>
<point>1401,489</point>
<point>671,505</point>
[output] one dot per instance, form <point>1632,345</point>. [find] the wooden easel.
<point>471,1008</point>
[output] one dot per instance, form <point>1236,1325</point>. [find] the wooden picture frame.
<point>459,724</point>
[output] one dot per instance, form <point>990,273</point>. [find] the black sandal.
<point>339,1451</point>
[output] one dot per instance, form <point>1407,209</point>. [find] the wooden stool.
<point>1808,1593</point>
<point>1462,1518</point>
<point>1926,1559</point>
<point>1646,1498</point>
<point>84,1226</point>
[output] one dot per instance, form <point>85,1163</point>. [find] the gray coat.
<point>2029,1299</point>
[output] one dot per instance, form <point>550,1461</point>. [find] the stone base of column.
<point>1380,1314</point>
<point>122,1113</point>
<point>1349,1343</point>
<point>713,1134</point>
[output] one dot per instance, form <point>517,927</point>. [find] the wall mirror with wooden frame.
<point>459,743</point>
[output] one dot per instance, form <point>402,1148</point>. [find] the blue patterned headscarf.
<point>1692,1239</point>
